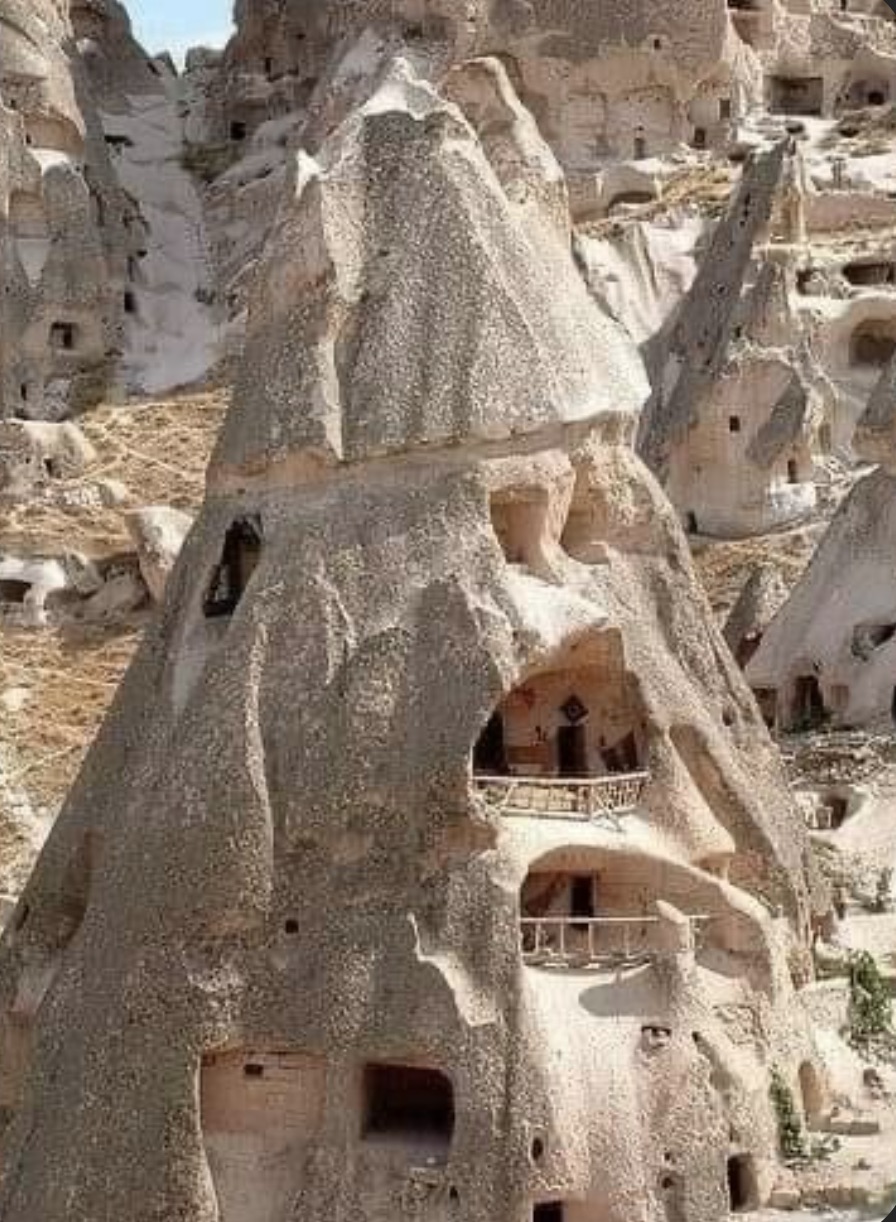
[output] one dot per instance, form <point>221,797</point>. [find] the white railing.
<point>564,798</point>
<point>583,942</point>
<point>821,819</point>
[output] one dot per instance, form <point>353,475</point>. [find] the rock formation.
<point>763,595</point>
<point>434,857</point>
<point>625,95</point>
<point>739,398</point>
<point>828,656</point>
<point>62,242</point>
<point>83,117</point>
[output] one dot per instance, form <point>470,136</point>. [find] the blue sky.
<point>175,25</point>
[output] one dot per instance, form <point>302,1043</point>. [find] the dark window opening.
<point>868,637</point>
<point>12,591</point>
<point>409,1102</point>
<point>623,756</point>
<point>490,752</point>
<point>876,98</point>
<point>291,926</point>
<point>62,336</point>
<point>253,1070</point>
<point>838,808</point>
<point>734,424</point>
<point>581,897</point>
<point>793,475</point>
<point>870,273</point>
<point>268,66</point>
<point>690,520</point>
<point>572,750</point>
<point>640,148</point>
<point>797,95</point>
<point>808,702</point>
<point>241,554</point>
<point>548,1211</point>
<point>699,141</point>
<point>23,392</point>
<point>130,303</point>
<point>742,1192</point>
<point>881,633</point>
<point>724,108</point>
<point>872,345</point>
<point>238,131</point>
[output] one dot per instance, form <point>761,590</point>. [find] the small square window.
<point>734,424</point>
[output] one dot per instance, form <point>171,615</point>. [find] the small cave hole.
<point>239,560</point>
<point>13,591</point>
<point>742,1187</point>
<point>63,336</point>
<point>408,1101</point>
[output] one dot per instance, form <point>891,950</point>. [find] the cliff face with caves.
<point>308,938</point>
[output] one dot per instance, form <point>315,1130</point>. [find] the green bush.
<point>791,1142</point>
<point>870,1003</point>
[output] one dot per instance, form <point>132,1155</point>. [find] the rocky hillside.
<point>527,346</point>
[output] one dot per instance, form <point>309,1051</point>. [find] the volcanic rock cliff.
<point>315,933</point>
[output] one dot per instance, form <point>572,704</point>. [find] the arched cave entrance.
<point>580,718</point>
<point>873,343</point>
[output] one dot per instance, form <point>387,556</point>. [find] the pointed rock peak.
<point>875,435</point>
<point>408,301</point>
<point>700,342</point>
<point>762,596</point>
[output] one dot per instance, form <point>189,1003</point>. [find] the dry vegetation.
<point>725,567</point>
<point>56,684</point>
<point>867,132</point>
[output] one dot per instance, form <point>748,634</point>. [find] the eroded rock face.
<point>101,249</point>
<point>285,951</point>
<point>158,532</point>
<point>605,84</point>
<point>63,245</point>
<point>739,398</point>
<point>828,655</point>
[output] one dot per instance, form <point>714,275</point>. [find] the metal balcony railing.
<point>564,797</point>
